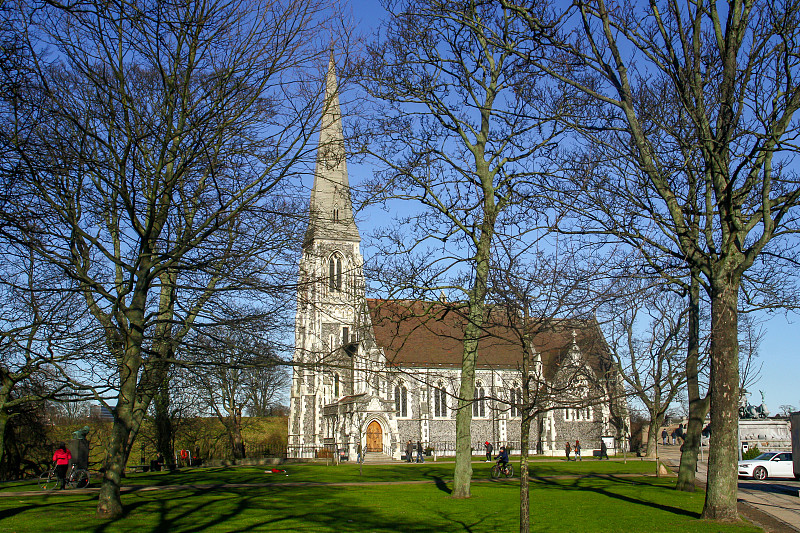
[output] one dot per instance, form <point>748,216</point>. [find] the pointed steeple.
<point>331,207</point>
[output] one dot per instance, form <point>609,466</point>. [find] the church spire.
<point>331,208</point>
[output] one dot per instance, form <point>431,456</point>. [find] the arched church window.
<point>516,400</point>
<point>335,273</point>
<point>479,401</point>
<point>401,400</point>
<point>439,400</point>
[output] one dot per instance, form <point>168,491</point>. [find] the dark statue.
<point>747,411</point>
<point>81,433</point>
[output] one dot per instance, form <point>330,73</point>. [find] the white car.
<point>770,464</point>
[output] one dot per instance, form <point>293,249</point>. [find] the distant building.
<point>100,412</point>
<point>382,372</point>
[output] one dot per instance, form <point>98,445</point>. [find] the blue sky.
<point>779,354</point>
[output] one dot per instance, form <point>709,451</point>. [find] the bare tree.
<point>702,104</point>
<point>541,291</point>
<point>42,329</point>
<point>231,372</point>
<point>647,337</point>
<point>456,136</point>
<point>152,146</point>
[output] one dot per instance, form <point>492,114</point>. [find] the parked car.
<point>769,464</point>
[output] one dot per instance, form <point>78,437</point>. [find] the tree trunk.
<point>652,434</point>
<point>234,427</point>
<point>163,425</point>
<point>128,415</point>
<point>698,407</point>
<point>720,503</point>
<point>462,474</point>
<point>524,441</point>
<point>4,474</point>
<point>524,484</point>
<point>109,503</point>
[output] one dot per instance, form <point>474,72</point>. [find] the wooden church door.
<point>374,437</point>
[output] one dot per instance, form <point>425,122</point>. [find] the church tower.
<point>330,299</point>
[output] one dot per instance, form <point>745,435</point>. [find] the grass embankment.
<point>575,503</point>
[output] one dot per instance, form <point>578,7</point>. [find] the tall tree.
<point>41,330</point>
<point>537,289</point>
<point>151,147</point>
<point>647,338</point>
<point>230,372</point>
<point>456,136</point>
<point>701,99</point>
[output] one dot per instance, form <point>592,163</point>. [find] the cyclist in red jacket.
<point>62,457</point>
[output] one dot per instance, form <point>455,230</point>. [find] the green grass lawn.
<point>557,504</point>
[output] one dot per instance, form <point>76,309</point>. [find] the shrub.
<point>752,453</point>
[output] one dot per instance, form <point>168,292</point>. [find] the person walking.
<point>567,449</point>
<point>603,450</point>
<point>409,450</point>
<point>61,458</point>
<point>358,453</point>
<point>664,436</point>
<point>489,449</point>
<point>420,456</point>
<point>578,450</point>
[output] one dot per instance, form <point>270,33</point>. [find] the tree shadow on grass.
<point>270,509</point>
<point>579,484</point>
<point>42,503</point>
<point>441,485</point>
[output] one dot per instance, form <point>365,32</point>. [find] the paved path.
<point>777,498</point>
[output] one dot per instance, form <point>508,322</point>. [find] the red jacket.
<point>62,457</point>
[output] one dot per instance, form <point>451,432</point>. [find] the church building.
<point>382,372</point>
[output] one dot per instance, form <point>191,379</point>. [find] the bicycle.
<point>76,478</point>
<point>498,470</point>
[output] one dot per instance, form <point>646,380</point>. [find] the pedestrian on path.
<point>489,449</point>
<point>603,450</point>
<point>664,436</point>
<point>409,450</point>
<point>567,449</point>
<point>578,450</point>
<point>420,456</point>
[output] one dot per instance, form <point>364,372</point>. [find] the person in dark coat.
<point>420,456</point>
<point>409,451</point>
<point>567,449</point>
<point>603,450</point>
<point>489,449</point>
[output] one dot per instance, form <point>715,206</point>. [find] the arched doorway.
<point>374,437</point>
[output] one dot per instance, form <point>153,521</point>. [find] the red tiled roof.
<point>417,333</point>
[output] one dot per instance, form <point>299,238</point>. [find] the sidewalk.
<point>776,498</point>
